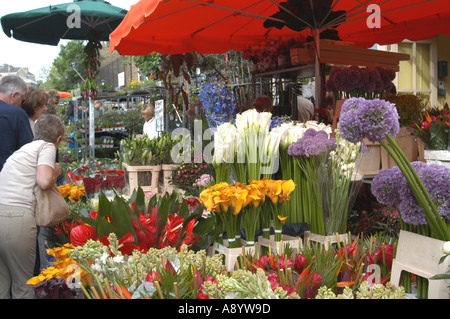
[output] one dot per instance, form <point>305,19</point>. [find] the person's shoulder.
<point>12,110</point>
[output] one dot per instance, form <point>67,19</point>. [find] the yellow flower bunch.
<point>231,202</point>
<point>64,266</point>
<point>72,192</point>
<point>219,197</point>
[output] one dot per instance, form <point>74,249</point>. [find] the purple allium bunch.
<point>312,143</point>
<point>391,188</point>
<point>371,119</point>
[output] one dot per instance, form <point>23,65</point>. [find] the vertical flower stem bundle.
<point>310,153</point>
<point>377,120</point>
<point>223,151</point>
<point>279,192</point>
<point>339,186</point>
<point>253,127</point>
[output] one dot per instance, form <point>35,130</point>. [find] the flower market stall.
<point>263,210</point>
<point>229,242</point>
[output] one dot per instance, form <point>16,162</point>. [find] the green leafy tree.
<point>148,64</point>
<point>61,67</point>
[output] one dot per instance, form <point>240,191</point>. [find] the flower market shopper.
<point>35,105</point>
<point>148,113</point>
<point>15,129</point>
<point>32,163</point>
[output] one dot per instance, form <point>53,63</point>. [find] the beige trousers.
<point>17,252</point>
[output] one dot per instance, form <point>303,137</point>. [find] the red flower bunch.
<point>434,128</point>
<point>92,184</point>
<point>174,233</point>
<point>147,230</point>
<point>360,82</point>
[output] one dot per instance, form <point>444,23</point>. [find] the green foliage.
<point>133,121</point>
<point>71,52</point>
<point>409,107</point>
<point>148,64</point>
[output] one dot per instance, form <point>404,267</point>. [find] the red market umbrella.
<point>204,26</point>
<point>63,94</point>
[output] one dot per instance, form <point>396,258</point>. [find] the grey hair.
<point>13,83</point>
<point>48,128</point>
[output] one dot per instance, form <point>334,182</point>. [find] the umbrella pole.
<point>318,79</point>
<point>91,131</point>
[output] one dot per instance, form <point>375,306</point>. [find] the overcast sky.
<point>34,56</point>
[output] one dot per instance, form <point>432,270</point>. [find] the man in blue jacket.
<point>15,129</point>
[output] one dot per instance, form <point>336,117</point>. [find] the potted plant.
<point>433,129</point>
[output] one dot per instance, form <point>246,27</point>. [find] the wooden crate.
<point>132,181</point>
<point>232,254</point>
<point>420,255</point>
<point>277,247</point>
<point>167,170</point>
<point>326,241</point>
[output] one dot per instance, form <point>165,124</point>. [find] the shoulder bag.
<point>51,207</point>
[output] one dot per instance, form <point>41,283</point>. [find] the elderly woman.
<point>35,105</point>
<point>32,163</point>
<point>148,113</point>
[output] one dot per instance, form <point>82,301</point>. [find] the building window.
<point>419,74</point>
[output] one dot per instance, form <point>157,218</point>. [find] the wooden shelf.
<point>302,71</point>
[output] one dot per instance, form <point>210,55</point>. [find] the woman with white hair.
<point>34,163</point>
<point>15,129</point>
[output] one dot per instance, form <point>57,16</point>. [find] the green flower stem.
<point>265,217</point>
<point>312,198</point>
<point>239,172</point>
<point>249,220</point>
<point>422,196</point>
<point>222,171</point>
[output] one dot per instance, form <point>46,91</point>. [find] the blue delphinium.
<point>391,188</point>
<point>217,103</point>
<point>371,119</point>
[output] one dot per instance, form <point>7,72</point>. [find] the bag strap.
<point>41,147</point>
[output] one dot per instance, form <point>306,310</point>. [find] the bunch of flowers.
<point>236,205</point>
<point>164,221</point>
<point>360,82</point>
<point>377,291</point>
<point>204,181</point>
<point>340,184</point>
<point>310,154</point>
<point>139,150</point>
<point>61,231</point>
<point>268,51</point>
<point>253,128</point>
<point>377,121</point>
<point>188,174</point>
<point>382,220</point>
<point>156,273</point>
<point>72,192</point>
<point>97,183</point>
<point>56,282</point>
<point>292,132</point>
<point>92,184</point>
<point>249,148</point>
<point>103,271</point>
<point>434,127</point>
<point>409,107</point>
<point>391,188</point>
<point>218,103</point>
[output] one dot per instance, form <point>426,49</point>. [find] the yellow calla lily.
<point>287,187</point>
<point>282,219</point>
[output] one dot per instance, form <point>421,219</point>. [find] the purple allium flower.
<point>391,188</point>
<point>312,143</point>
<point>371,119</point>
